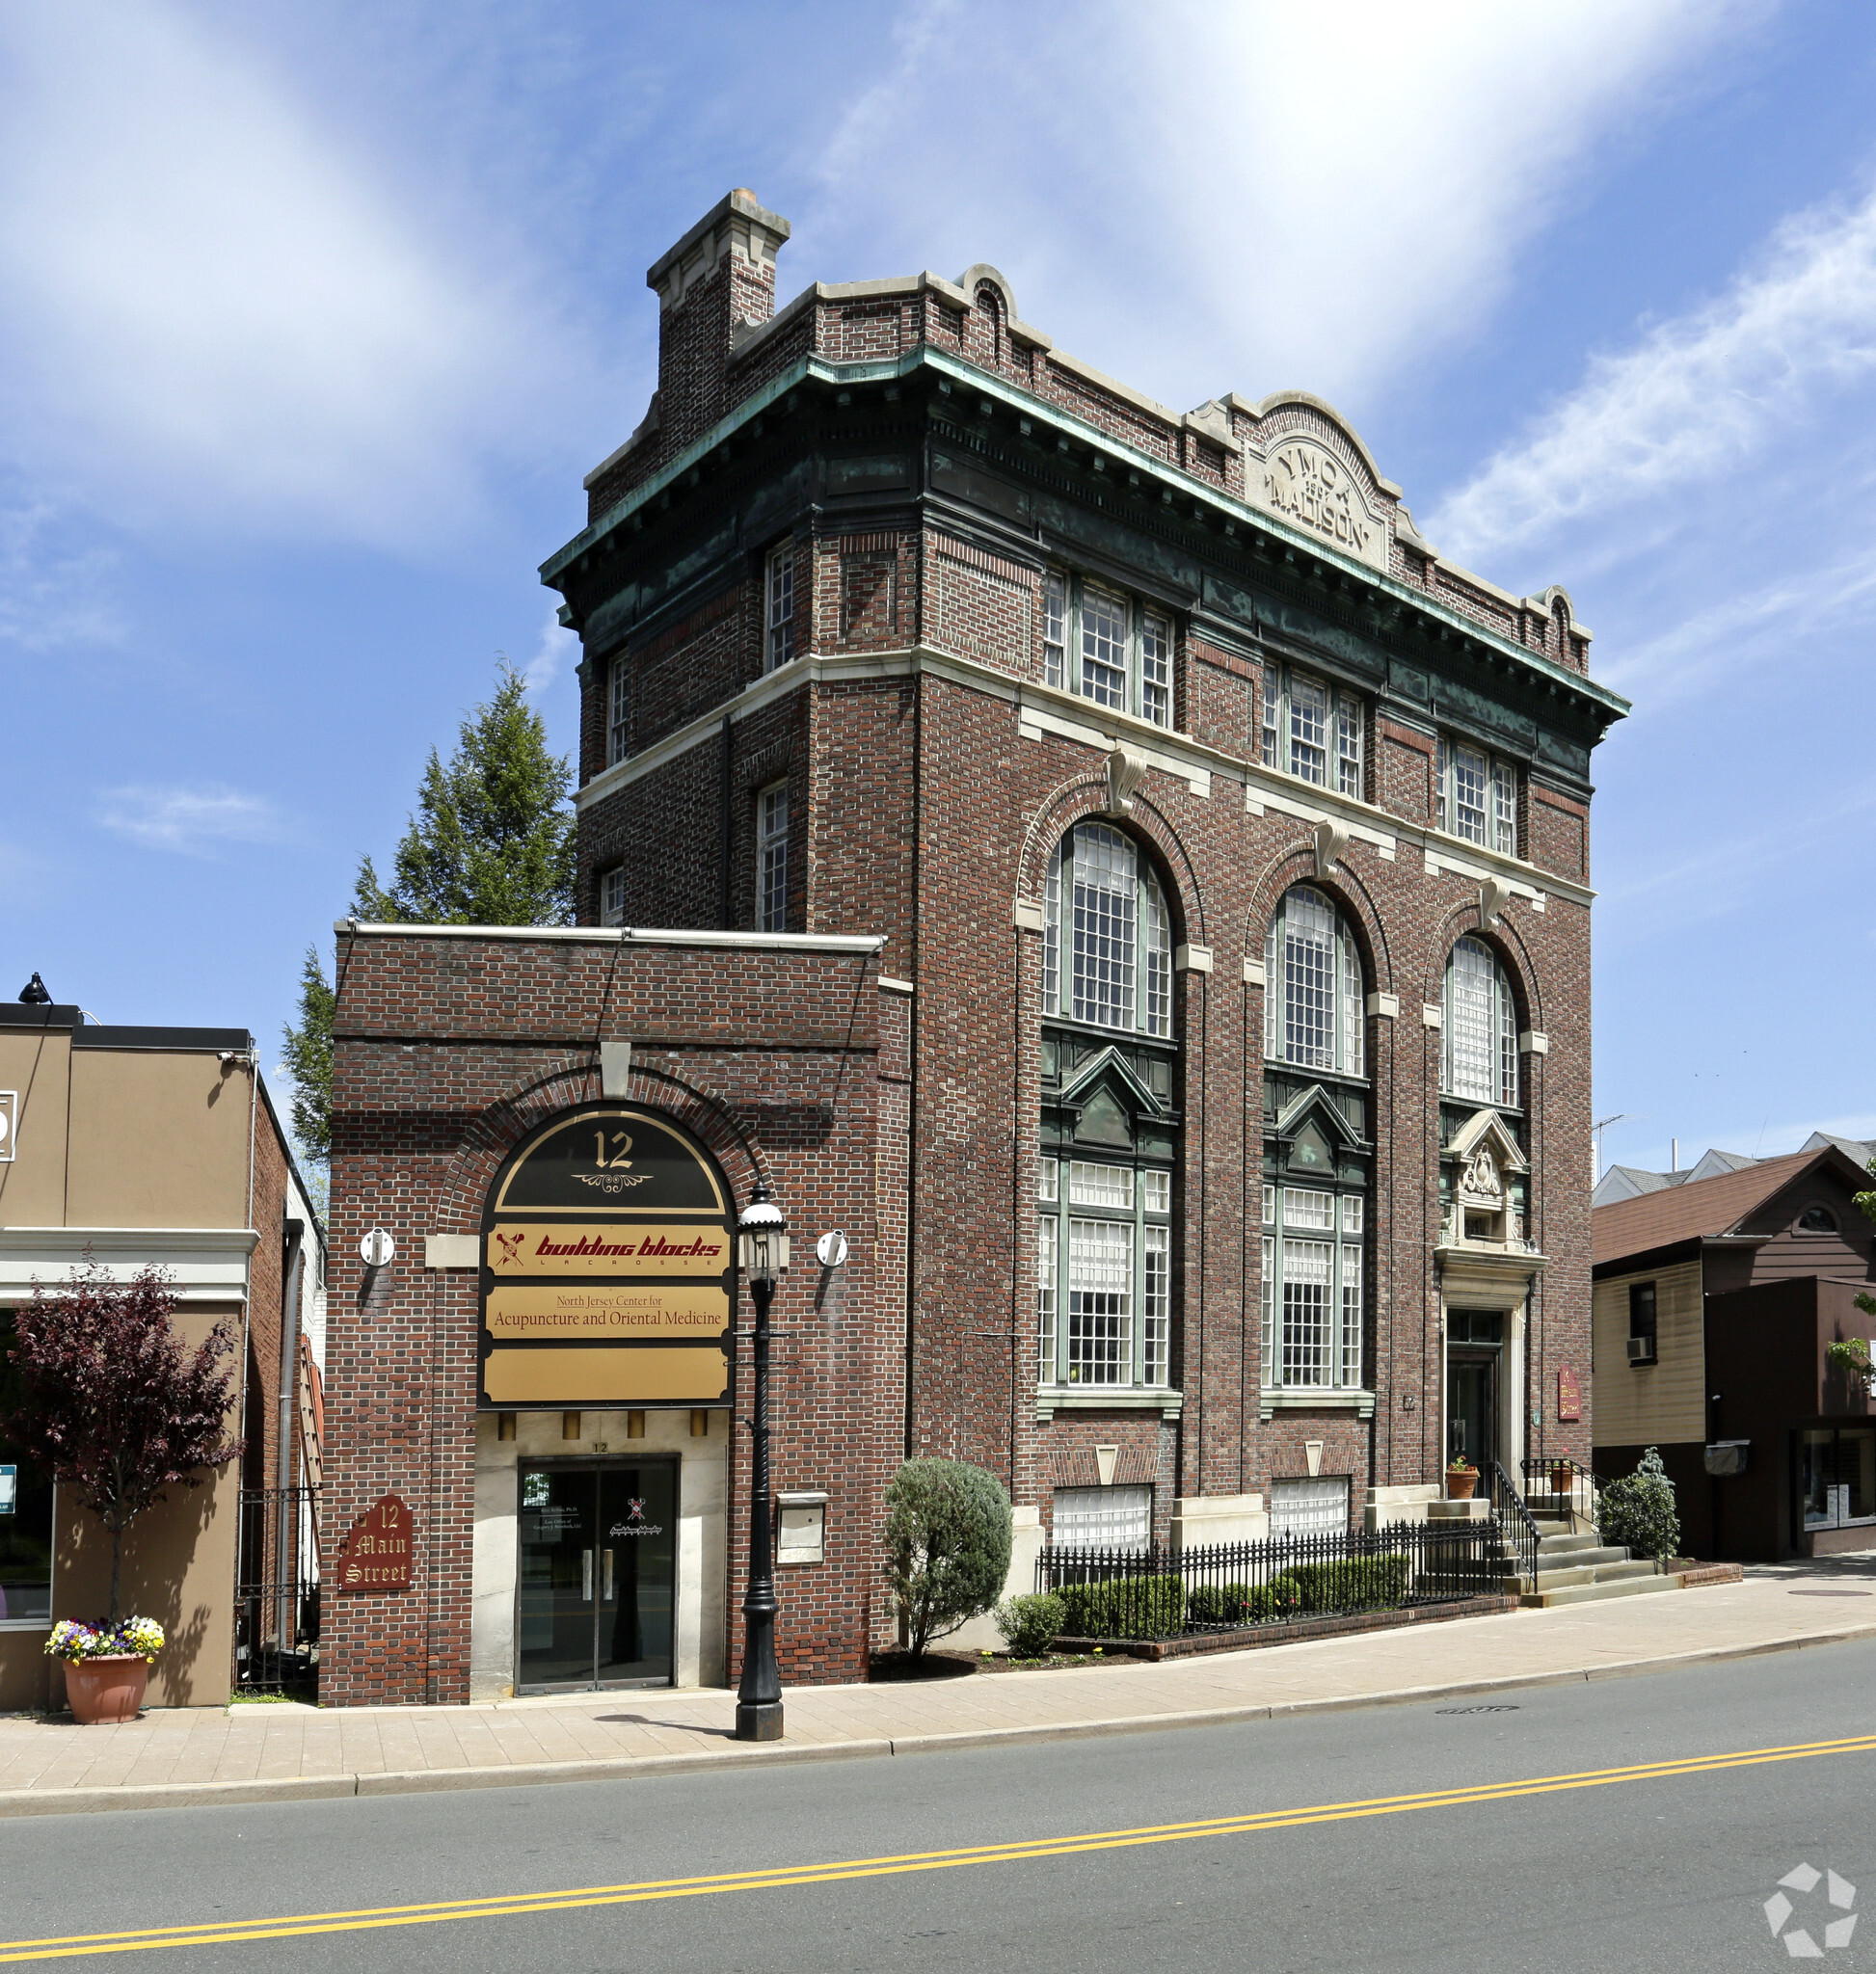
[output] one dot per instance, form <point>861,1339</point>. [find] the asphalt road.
<point>1655,1870</point>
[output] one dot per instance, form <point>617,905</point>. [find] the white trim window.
<point>1311,730</point>
<point>778,607</point>
<point>1478,1027</point>
<point>1119,972</point>
<point>1476,797</point>
<point>1315,1008</point>
<point>618,708</point>
<point>1109,1267</point>
<point>1101,1518</point>
<point>1121,650</point>
<point>613,895</point>
<point>1312,1288</point>
<point>772,859</point>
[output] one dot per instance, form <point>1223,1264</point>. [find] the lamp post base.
<point>759,1721</point>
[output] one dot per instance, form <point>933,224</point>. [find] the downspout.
<point>912,1033</point>
<point>292,1271</point>
<point>724,911</point>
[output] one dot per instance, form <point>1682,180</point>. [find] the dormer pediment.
<point>1316,1107</point>
<point>1485,1130</point>
<point>1111,1066</point>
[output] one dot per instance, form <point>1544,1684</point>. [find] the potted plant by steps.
<point>1461,1477</point>
<point>107,1667</point>
<point>112,1406</point>
<point>1563,1477</point>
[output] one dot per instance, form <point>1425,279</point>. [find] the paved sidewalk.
<point>172,1759</point>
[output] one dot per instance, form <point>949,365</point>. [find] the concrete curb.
<point>632,1768</point>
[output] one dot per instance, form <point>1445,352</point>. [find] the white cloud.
<point>207,308</point>
<point>556,645</point>
<point>53,575</point>
<point>1211,195</point>
<point>1695,398</point>
<point>192,820</point>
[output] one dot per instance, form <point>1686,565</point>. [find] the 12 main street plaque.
<point>608,1268</point>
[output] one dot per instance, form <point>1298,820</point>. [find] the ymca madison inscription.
<point>608,1253</point>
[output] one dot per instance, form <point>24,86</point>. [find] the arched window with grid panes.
<point>1108,1179</point>
<point>1318,1152</point>
<point>1479,1071</point>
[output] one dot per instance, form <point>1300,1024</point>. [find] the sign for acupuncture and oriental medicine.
<point>608,1279</point>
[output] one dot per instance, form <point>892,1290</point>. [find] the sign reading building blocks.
<point>376,1556</point>
<point>608,1249</point>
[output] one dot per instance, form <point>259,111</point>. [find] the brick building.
<point>1203,862</point>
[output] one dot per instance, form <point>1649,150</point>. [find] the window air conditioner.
<point>1641,1349</point>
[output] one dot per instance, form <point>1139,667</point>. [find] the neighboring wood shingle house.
<point>1714,1302</point>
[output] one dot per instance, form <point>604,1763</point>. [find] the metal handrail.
<point>1515,1518</point>
<point>1581,1478</point>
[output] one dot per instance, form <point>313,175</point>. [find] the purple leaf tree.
<point>110,1402</point>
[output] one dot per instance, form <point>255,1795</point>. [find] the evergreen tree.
<point>309,1055</point>
<point>492,844</point>
<point>492,840</point>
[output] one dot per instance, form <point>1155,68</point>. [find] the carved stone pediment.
<point>1486,1130</point>
<point>1316,486</point>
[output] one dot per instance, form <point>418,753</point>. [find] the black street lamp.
<point>763,1252</point>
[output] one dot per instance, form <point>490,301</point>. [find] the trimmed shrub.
<point>1127,1608</point>
<point>1637,1512</point>
<point>947,1546</point>
<point>1363,1583</point>
<point>1031,1625</point>
<point>1243,1603</point>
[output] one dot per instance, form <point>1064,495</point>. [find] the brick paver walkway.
<point>171,1758</point>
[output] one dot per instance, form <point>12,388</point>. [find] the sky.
<point>313,316</point>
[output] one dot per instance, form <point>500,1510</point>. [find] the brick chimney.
<point>719,278</point>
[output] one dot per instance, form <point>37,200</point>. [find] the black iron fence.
<point>1155,1593</point>
<point>277,1591</point>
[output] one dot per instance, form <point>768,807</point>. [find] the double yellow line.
<point>230,1931</point>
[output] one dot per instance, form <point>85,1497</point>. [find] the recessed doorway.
<point>597,1585</point>
<point>1475,1342</point>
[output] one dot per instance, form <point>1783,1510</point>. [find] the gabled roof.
<point>1705,1209</point>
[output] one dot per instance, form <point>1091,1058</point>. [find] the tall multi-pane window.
<point>618,708</point>
<point>1108,647</point>
<point>1055,629</point>
<point>613,895</point>
<point>1477,797</point>
<point>778,608</point>
<point>1479,1023</point>
<point>1104,1273</point>
<point>1314,999</point>
<point>1313,1272</point>
<point>1156,670</point>
<point>772,859</point>
<point>1311,730</point>
<point>1118,965</point>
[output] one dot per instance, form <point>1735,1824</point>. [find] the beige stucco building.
<point>151,1146</point>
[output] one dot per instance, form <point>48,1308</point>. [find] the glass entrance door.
<point>1472,1406</point>
<point>598,1574</point>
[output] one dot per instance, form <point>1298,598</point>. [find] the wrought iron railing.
<point>277,1591</point>
<point>1575,1501</point>
<point>1519,1531</point>
<point>1154,1594</point>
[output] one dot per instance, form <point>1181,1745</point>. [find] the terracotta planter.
<point>106,1690</point>
<point>1563,1480</point>
<point>1459,1487</point>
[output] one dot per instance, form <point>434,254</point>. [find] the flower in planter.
<point>1460,1465</point>
<point>131,1638</point>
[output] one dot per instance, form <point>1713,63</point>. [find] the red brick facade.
<point>930,464</point>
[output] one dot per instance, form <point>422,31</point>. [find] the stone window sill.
<point>1273,1399</point>
<point>1051,1399</point>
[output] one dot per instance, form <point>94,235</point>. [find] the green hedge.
<point>1137,1607</point>
<point>1364,1582</point>
<point>1244,1603</point>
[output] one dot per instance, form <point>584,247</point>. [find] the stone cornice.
<point>1068,424</point>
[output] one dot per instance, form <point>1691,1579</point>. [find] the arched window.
<point>1117,968</point>
<point>1817,1220</point>
<point>1479,1053</point>
<point>1314,1003</point>
<point>1107,1223</point>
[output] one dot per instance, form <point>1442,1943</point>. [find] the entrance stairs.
<point>1578,1569</point>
